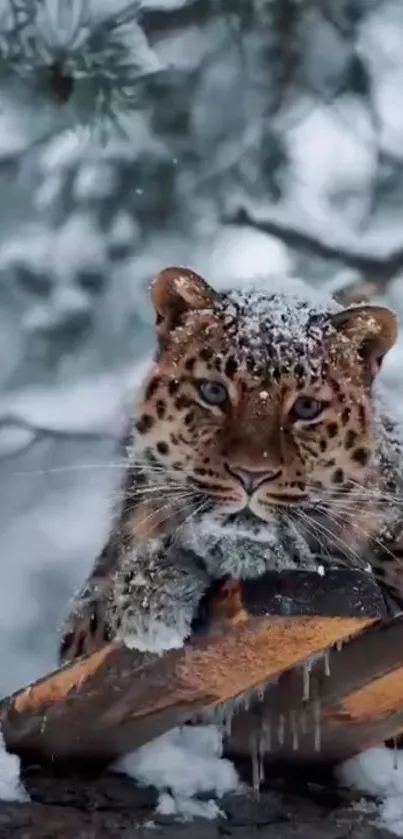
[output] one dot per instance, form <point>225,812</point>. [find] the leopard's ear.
<point>373,330</point>
<point>174,292</point>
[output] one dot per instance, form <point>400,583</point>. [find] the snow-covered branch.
<point>378,265</point>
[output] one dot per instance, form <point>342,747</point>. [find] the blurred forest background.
<point>244,138</point>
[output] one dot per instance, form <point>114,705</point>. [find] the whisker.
<point>371,539</point>
<point>77,468</point>
<point>377,541</point>
<point>198,509</point>
<point>354,495</point>
<point>162,488</point>
<point>376,491</point>
<point>334,540</point>
<point>158,510</point>
<point>311,532</point>
<point>153,493</point>
<point>353,487</point>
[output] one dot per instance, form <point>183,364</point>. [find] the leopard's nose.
<point>251,478</point>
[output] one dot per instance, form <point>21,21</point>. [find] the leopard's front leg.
<point>155,595</point>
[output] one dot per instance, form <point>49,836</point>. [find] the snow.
<point>63,150</point>
<point>331,158</point>
<point>183,764</point>
<point>11,788</point>
<point>96,407</point>
<point>77,245</point>
<point>380,44</point>
<point>157,639</point>
<point>239,255</point>
<point>378,772</point>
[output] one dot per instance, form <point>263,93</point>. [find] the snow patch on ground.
<point>379,772</point>
<point>11,788</point>
<point>187,768</point>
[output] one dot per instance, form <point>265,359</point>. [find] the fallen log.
<point>349,703</point>
<point>115,700</point>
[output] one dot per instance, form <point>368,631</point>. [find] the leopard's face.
<point>258,405</point>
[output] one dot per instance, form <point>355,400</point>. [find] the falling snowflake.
<point>89,66</point>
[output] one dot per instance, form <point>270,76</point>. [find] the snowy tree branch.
<point>377,267</point>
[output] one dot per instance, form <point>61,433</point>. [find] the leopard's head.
<point>257,403</point>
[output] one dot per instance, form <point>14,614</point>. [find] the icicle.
<point>223,717</point>
<point>326,662</point>
<point>395,754</point>
<point>339,645</point>
<point>281,729</point>
<point>294,731</point>
<point>254,750</point>
<point>261,756</point>
<point>267,733</point>
<point>306,680</point>
<point>246,701</point>
<point>316,707</point>
<point>260,693</point>
<point>228,717</point>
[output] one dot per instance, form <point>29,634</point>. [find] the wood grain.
<point>111,702</point>
<point>358,704</point>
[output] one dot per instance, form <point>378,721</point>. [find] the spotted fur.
<point>228,474</point>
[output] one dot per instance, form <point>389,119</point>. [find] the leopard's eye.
<point>212,393</point>
<point>307,408</point>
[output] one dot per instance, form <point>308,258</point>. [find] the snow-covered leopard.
<point>258,442</point>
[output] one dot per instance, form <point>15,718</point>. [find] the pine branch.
<point>88,68</point>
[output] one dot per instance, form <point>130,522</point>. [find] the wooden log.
<point>354,703</point>
<point>115,700</point>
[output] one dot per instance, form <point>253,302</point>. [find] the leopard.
<point>259,441</point>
